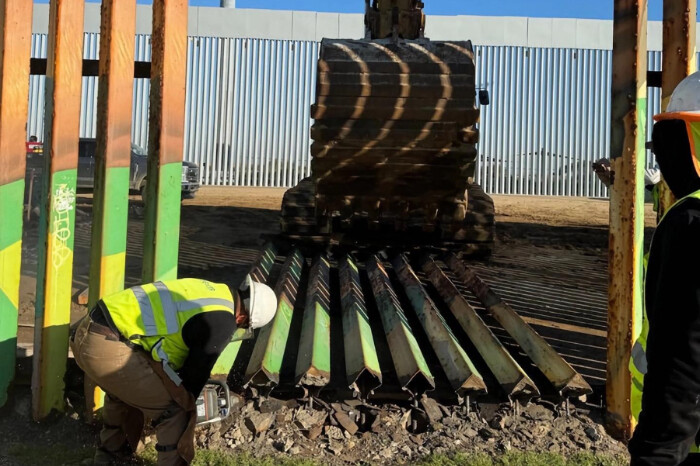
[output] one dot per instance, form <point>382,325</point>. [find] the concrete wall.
<point>312,26</point>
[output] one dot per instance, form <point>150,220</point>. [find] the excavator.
<point>394,142</point>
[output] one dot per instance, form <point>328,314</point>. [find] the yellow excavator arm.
<point>394,18</point>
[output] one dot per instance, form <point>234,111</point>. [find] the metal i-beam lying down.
<point>259,272</point>
<point>514,381</point>
<point>364,374</point>
<point>314,358</point>
<point>411,368</point>
<point>565,379</point>
<point>463,376</point>
<point>266,361</point>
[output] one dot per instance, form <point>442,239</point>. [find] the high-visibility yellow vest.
<point>152,316</point>
<point>638,359</point>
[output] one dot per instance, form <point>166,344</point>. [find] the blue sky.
<point>597,9</point>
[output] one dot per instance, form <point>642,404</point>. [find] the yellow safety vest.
<point>638,360</point>
<point>152,316</point>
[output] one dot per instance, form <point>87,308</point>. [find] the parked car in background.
<point>137,172</point>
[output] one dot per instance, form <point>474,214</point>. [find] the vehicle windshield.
<point>138,150</point>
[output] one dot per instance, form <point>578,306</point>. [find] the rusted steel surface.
<point>679,59</point>
<point>628,139</point>
<point>266,361</point>
<point>314,358</point>
<point>15,41</point>
<point>55,255</point>
<point>260,271</point>
<point>166,130</point>
<point>411,368</point>
<point>512,378</point>
<point>463,376</point>
<point>112,159</point>
<point>364,374</point>
<point>563,377</point>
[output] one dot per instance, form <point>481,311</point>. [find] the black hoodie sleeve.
<point>206,335</point>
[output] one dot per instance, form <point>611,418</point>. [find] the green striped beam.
<point>15,37</point>
<point>260,273</point>
<point>55,263</point>
<point>266,361</point>
<point>459,369</point>
<point>314,358</point>
<point>411,367</point>
<point>112,160</point>
<point>166,129</point>
<point>362,368</point>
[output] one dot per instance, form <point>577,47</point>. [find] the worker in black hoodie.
<point>665,361</point>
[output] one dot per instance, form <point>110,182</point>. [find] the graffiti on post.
<point>63,204</point>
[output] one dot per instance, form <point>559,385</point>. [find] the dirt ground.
<point>554,246</point>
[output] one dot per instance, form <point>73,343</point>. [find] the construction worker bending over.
<point>151,348</point>
<point>665,361</point>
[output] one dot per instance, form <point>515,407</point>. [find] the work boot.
<point>104,457</point>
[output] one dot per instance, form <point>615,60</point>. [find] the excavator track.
<point>394,149</point>
<point>475,237</point>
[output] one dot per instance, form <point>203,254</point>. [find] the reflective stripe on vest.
<point>153,315</point>
<point>169,371</point>
<point>171,308</point>
<point>638,358</point>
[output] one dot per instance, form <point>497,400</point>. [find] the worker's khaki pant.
<point>127,378</point>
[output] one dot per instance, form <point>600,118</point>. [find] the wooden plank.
<point>627,149</point>
<point>166,129</point>
<point>112,158</point>
<point>15,43</point>
<point>55,255</point>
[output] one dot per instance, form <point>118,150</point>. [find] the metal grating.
<point>247,112</point>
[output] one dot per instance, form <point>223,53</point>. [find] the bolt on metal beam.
<point>165,148</point>
<point>627,149</point>
<point>560,374</point>
<point>57,220</point>
<point>512,378</point>
<point>411,368</point>
<point>313,367</point>
<point>362,368</point>
<point>15,45</point>
<point>260,271</point>
<point>266,361</point>
<point>463,376</point>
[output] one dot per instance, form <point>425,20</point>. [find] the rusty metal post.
<point>55,267</point>
<point>679,61</point>
<point>112,159</point>
<point>15,40</point>
<point>628,137</point>
<point>166,130</point>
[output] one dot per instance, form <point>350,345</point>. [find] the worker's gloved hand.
<point>603,171</point>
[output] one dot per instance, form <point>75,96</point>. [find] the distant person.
<point>652,177</point>
<point>33,139</point>
<point>151,348</point>
<point>665,360</point>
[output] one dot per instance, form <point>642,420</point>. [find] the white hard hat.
<point>686,97</point>
<point>261,303</point>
